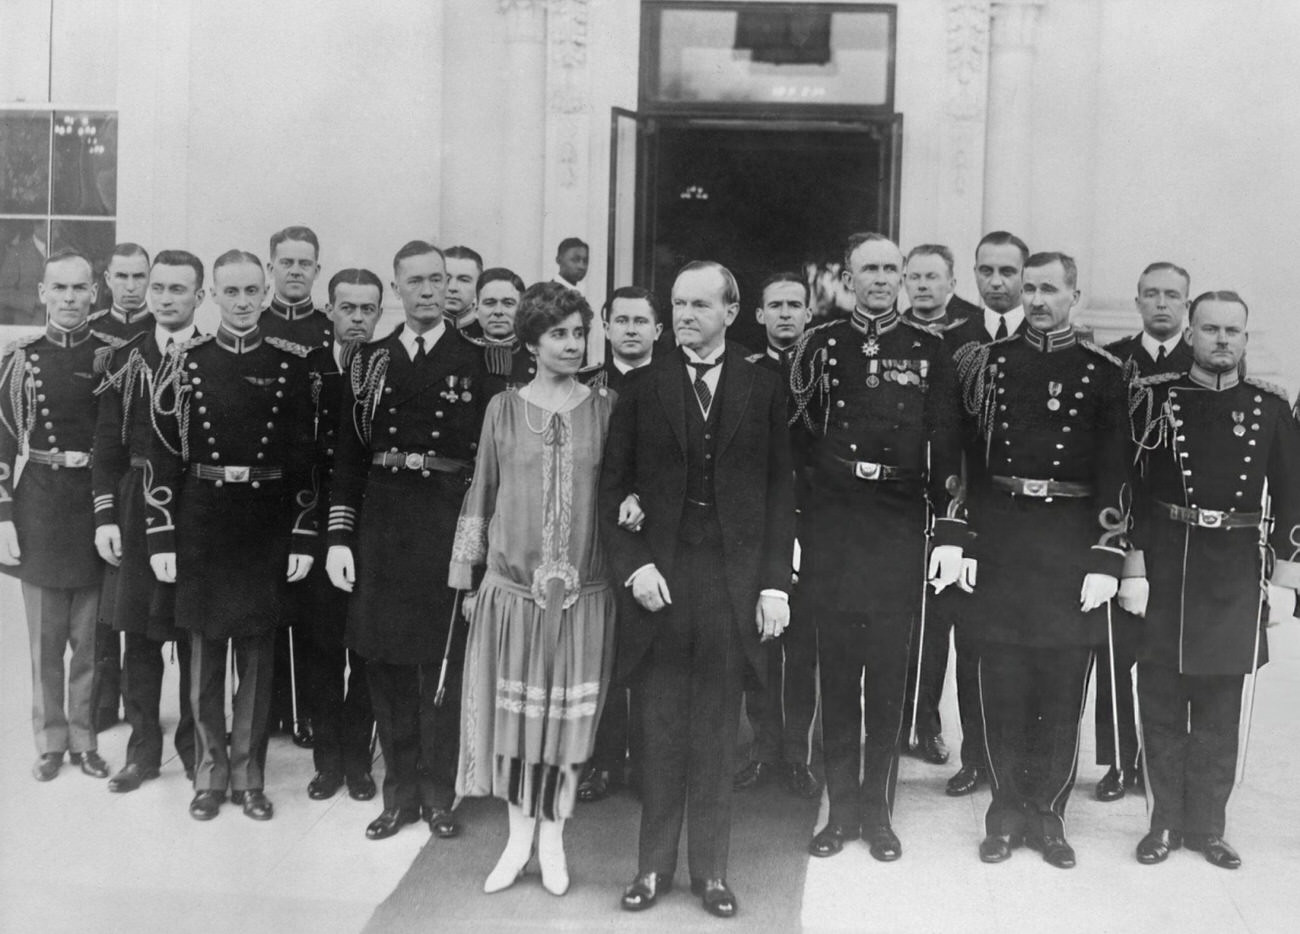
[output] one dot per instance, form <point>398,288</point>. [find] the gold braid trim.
<point>367,376</point>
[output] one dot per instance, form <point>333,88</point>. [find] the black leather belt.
<point>1041,489</point>
<point>870,470</point>
<point>74,459</point>
<point>231,474</point>
<point>400,461</point>
<point>1211,518</point>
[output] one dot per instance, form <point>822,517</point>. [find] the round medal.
<point>873,380</point>
<point>1053,404</point>
<point>1239,430</point>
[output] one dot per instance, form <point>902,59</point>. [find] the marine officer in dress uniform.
<point>781,712</point>
<point>408,430</point>
<point>335,685</point>
<point>127,277</point>
<point>1211,443</point>
<point>507,360</point>
<point>877,422</point>
<point>231,519</point>
<point>137,604</point>
<point>1160,347</point>
<point>47,526</point>
<point>1048,503</point>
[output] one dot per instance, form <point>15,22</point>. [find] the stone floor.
<point>75,858</point>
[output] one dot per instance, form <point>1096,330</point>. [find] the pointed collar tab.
<point>1051,341</point>
<point>63,338</point>
<point>291,311</point>
<point>238,343</point>
<point>1215,381</point>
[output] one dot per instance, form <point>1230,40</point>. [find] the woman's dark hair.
<point>546,304</point>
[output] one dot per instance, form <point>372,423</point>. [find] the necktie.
<point>701,387</point>
<point>419,347</point>
<point>1160,354</point>
<point>1002,328</point>
<point>171,343</point>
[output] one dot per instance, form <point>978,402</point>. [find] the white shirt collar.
<point>713,356</point>
<point>711,376</point>
<point>626,368</point>
<point>431,336</point>
<point>1152,346</point>
<point>1014,317</point>
<point>161,335</point>
<point>337,350</point>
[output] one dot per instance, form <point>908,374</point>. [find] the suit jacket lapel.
<point>737,385</point>
<point>421,375</point>
<point>673,396</point>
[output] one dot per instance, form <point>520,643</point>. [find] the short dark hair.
<point>546,304</point>
<point>568,243</point>
<point>932,249</point>
<point>1039,260</point>
<point>730,290</point>
<point>416,248</point>
<point>635,293</point>
<point>355,277</point>
<point>296,232</point>
<point>497,274</point>
<point>1002,238</point>
<point>67,252</point>
<point>1165,266</point>
<point>1221,295</point>
<point>785,276</point>
<point>234,258</point>
<point>856,240</point>
<point>128,249</point>
<point>181,258</point>
<point>460,251</point>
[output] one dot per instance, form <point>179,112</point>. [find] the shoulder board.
<point>293,347</point>
<point>1265,385</point>
<point>1101,352</point>
<point>20,342</point>
<point>103,356</point>
<point>1157,379</point>
<point>99,314</point>
<point>195,341</point>
<point>754,358</point>
<point>917,325</point>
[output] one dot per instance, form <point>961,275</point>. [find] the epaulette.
<point>594,376</point>
<point>293,347</point>
<point>346,352</point>
<point>104,355</point>
<point>19,343</point>
<point>1265,385</point>
<point>1101,352</point>
<point>933,332</point>
<point>195,341</point>
<point>99,314</point>
<point>754,358</point>
<point>113,341</point>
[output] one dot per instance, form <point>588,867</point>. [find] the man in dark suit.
<point>1160,347</point>
<point>702,442</point>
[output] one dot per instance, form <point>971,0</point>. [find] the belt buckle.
<point>235,474</point>
<point>76,459</point>
<point>1035,487</point>
<point>414,462</point>
<point>866,470</point>
<point>1209,518</point>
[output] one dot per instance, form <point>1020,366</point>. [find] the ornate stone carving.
<point>1014,22</point>
<point>566,30</point>
<point>967,29</point>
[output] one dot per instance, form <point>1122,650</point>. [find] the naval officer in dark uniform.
<point>47,526</point>
<point>508,362</point>
<point>1048,503</point>
<point>341,718</point>
<point>1160,347</point>
<point>232,518</point>
<point>408,430</point>
<point>135,603</point>
<point>1211,441</point>
<point>877,422</point>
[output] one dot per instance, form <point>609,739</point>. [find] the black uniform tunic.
<point>301,323</point>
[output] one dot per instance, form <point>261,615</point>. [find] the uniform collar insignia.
<point>239,343</point>
<point>292,311</point>
<point>128,317</point>
<point>875,324</point>
<point>63,338</point>
<point>1051,341</point>
<point>1215,381</point>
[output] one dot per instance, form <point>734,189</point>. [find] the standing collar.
<point>882,323</point>
<point>239,343</point>
<point>128,317</point>
<point>292,311</point>
<point>1051,341</point>
<point>64,338</point>
<point>1215,381</point>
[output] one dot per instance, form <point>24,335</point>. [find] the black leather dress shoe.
<point>324,785</point>
<point>883,843</point>
<point>930,749</point>
<point>801,782</point>
<point>390,821</point>
<point>645,891</point>
<point>594,785</point>
<point>830,839</point>
<point>1214,848</point>
<point>302,736</point>
<point>206,804</point>
<point>997,847</point>
<point>717,897</point>
<point>130,778</point>
<point>442,822</point>
<point>1111,786</point>
<point>255,804</point>
<point>91,763</point>
<point>1056,851</point>
<point>752,775</point>
<point>1155,846</point>
<point>47,766</point>
<point>967,779</point>
<point>361,787</point>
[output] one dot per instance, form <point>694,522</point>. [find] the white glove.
<point>9,551</point>
<point>1097,589</point>
<point>1281,604</point>
<point>969,571</point>
<point>108,542</point>
<point>164,566</point>
<point>340,567</point>
<point>945,566</point>
<point>1134,592</point>
<point>299,566</point>
<point>772,614</point>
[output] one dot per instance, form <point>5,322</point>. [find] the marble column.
<point>1008,155</point>
<point>523,180</point>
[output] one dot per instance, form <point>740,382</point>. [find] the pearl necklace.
<point>573,387</point>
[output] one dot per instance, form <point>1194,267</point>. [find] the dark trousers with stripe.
<point>967,648</point>
<point>690,689</point>
<point>59,619</point>
<point>1189,732</point>
<point>1128,633</point>
<point>242,766</point>
<point>340,704</point>
<point>142,678</point>
<point>1032,699</point>
<point>108,671</point>
<point>863,661</point>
